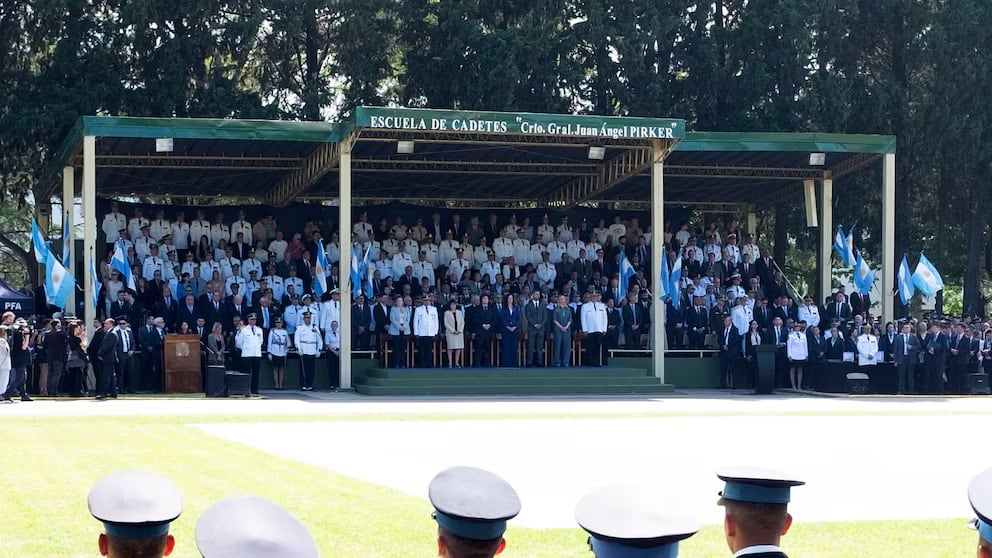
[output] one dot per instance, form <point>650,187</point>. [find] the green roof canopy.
<point>490,158</point>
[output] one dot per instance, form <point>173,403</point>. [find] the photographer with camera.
<point>19,337</point>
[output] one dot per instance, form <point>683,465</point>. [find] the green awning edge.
<point>787,142</point>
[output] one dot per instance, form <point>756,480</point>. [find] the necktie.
<point>905,344</point>
<point>726,337</point>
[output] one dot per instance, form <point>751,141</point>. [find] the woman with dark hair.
<point>76,361</point>
<point>509,354</point>
<point>202,248</point>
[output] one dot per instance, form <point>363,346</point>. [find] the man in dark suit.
<point>168,309</point>
<point>746,269</point>
<point>188,313</point>
<point>860,303</point>
<point>762,314</point>
<point>612,338</point>
<point>817,347</point>
<point>838,310</point>
<point>601,264</point>
<point>631,322</point>
<point>304,271</point>
<point>361,323</point>
<point>835,344</point>
<point>128,379</point>
<point>765,268</point>
<point>582,269</point>
<point>905,353</point>
<point>729,342</point>
<point>380,315</point>
<point>935,359</point>
<point>485,324</point>
<point>698,322</point>
<point>674,325</point>
<point>106,379</point>
<point>960,345</point>
<point>215,311</point>
<point>536,316</point>
<point>777,335</point>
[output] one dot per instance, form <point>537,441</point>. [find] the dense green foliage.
<point>914,68</point>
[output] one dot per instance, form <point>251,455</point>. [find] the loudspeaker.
<point>809,189</point>
<point>857,383</point>
<point>976,384</point>
<point>237,383</point>
<point>215,385</point>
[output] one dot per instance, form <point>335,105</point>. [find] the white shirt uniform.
<point>591,249</point>
<point>400,261</point>
<point>249,265</point>
<point>159,228</point>
<point>198,229</point>
<point>616,231</point>
<point>207,269</point>
<point>142,246</point>
<point>418,233</point>
<point>810,315</point>
<point>521,251</point>
<point>249,340</point>
<point>410,247</point>
<point>219,232</point>
<point>796,347</point>
<point>601,234</point>
<point>741,317</point>
<point>188,267</point>
<point>457,267</point>
<point>235,280</point>
<point>431,254</point>
<point>384,267</point>
<point>734,292</point>
<point>167,251</point>
<point>251,287</point>
<point>555,249</point>
<point>363,231</point>
<point>399,231</point>
<point>546,233</point>
<point>275,283</point>
<point>308,340</point>
<point>112,225</point>
<point>134,226</point>
<point>593,316</point>
<point>293,315</point>
<point>735,253</point>
<point>512,232</point>
<point>227,267</point>
<point>503,248</point>
<point>468,254</point>
<point>374,248</point>
<point>564,233</point>
<point>278,342</point>
<point>330,313</point>
<point>297,285</point>
<point>180,235</point>
<point>424,269</point>
<point>243,227</point>
<point>491,268</point>
<point>480,256</point>
<point>511,272</point>
<point>447,250</point>
<point>150,266</point>
<point>332,339</point>
<point>546,273</point>
<point>867,350</point>
<point>752,251</point>
<point>391,246</point>
<point>536,254</point>
<point>425,321</point>
<point>572,248</point>
<point>278,249</point>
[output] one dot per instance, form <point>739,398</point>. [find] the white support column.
<point>826,236</point>
<point>344,266</point>
<point>752,224</point>
<point>89,223</point>
<point>68,216</point>
<point>888,235</point>
<point>657,253</point>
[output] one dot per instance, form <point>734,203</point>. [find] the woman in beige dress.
<point>454,334</point>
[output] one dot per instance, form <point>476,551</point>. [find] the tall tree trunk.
<point>972,271</point>
<point>781,235</point>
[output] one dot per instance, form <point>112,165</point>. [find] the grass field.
<point>49,465</point>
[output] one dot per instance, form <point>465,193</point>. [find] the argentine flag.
<point>674,282</point>
<point>840,245</point>
<point>905,280</point>
<point>849,243</point>
<point>320,272</point>
<point>119,262</point>
<point>927,278</point>
<point>368,271</point>
<point>356,275</point>
<point>626,272</point>
<point>96,283</point>
<point>40,246</point>
<point>66,243</point>
<point>864,277</point>
<point>663,282</point>
<point>59,283</point>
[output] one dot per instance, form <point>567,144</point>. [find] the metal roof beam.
<point>629,164</point>
<point>314,167</point>
<point>472,167</point>
<point>197,162</point>
<point>468,138</point>
<point>853,163</point>
<point>761,173</point>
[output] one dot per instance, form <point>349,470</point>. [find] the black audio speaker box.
<point>237,383</point>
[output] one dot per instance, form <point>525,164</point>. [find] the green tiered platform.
<point>508,381</point>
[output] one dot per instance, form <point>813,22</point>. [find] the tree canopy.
<point>912,68</point>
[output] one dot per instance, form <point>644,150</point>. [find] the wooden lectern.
<point>182,364</point>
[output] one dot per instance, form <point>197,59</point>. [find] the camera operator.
<point>20,356</point>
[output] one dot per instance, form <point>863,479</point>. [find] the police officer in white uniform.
<point>241,226</point>
<point>249,339</point>
<point>135,224</point>
<point>160,226</point>
<point>219,231</point>
<point>308,343</point>
<point>152,264</point>
<point>113,223</point>
<point>199,228</point>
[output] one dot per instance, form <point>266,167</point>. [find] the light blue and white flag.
<point>66,243</point>
<point>840,245</point>
<point>851,260</point>
<point>926,277</point>
<point>368,271</point>
<point>675,282</point>
<point>96,282</point>
<point>40,245</point>
<point>119,262</point>
<point>864,277</point>
<point>320,272</point>
<point>626,272</point>
<point>663,282</point>
<point>905,280</point>
<point>356,275</point>
<point>59,283</point>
